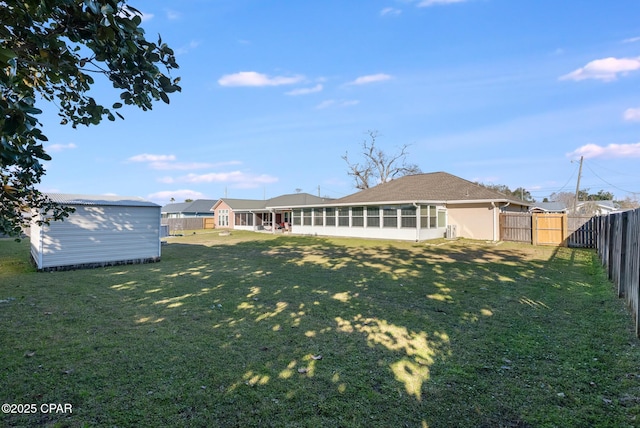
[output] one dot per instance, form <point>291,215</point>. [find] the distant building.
<point>197,208</point>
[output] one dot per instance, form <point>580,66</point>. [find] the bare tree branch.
<point>378,166</point>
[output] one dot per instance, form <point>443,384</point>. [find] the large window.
<point>357,217</point>
<point>431,217</point>
<point>424,216</point>
<point>373,216</point>
<point>244,219</point>
<point>442,218</point>
<point>408,216</point>
<point>330,215</point>
<point>343,216</point>
<point>306,216</point>
<point>223,218</point>
<point>318,219</point>
<point>297,217</point>
<point>390,216</point>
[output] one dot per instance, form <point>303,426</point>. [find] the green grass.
<point>227,331</point>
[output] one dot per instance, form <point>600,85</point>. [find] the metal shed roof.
<point>111,200</point>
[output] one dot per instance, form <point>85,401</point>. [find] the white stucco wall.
<point>474,221</point>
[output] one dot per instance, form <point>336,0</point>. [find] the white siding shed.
<point>103,231</point>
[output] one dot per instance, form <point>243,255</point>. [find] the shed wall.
<point>99,235</point>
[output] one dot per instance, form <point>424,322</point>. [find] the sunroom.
<point>410,221</point>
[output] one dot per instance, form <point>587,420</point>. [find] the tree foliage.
<point>51,50</point>
<point>519,193</point>
<point>377,166</point>
<point>569,198</point>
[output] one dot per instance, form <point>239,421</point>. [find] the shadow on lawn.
<point>350,317</point>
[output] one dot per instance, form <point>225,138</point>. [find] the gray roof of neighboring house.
<point>244,204</point>
<point>434,186</point>
<point>605,204</point>
<point>197,206</point>
<point>296,199</point>
<point>555,206</point>
<point>290,200</point>
<point>93,200</point>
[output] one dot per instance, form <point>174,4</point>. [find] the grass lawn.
<point>254,330</point>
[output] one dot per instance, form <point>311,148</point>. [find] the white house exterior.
<point>103,230</point>
<point>413,208</point>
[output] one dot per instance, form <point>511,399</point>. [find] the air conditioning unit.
<point>451,232</point>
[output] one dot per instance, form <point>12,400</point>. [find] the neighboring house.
<point>585,208</point>
<point>548,207</point>
<point>197,208</point>
<point>103,230</point>
<point>596,207</point>
<point>269,214</point>
<point>415,207</point>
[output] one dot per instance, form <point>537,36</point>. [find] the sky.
<point>274,93</point>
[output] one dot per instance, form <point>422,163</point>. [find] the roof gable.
<point>434,186</point>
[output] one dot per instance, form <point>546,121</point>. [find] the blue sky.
<point>274,93</point>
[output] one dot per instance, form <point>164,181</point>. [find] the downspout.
<point>418,225</point>
<point>493,204</point>
<point>495,231</point>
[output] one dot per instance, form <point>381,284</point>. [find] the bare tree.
<point>377,166</point>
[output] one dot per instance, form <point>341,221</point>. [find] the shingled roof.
<point>429,187</point>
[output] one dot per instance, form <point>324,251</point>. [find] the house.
<point>415,207</point>
<point>103,230</point>
<point>268,214</point>
<point>591,208</point>
<point>197,208</point>
<point>584,208</point>
<point>548,207</point>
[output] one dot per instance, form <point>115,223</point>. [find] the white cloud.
<point>427,3</point>
<point>187,48</point>
<point>173,15</point>
<point>371,78</point>
<point>390,11</point>
<point>610,151</point>
<point>146,17</point>
<point>632,114</point>
<point>164,197</point>
<point>337,103</point>
<point>606,69</point>
<point>146,157</point>
<point>60,147</point>
<point>238,178</point>
<point>305,91</point>
<point>168,162</point>
<point>179,165</point>
<point>252,78</point>
<point>631,40</point>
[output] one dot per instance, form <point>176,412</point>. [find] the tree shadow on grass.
<point>278,331</point>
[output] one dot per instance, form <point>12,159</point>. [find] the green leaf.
<point>6,55</point>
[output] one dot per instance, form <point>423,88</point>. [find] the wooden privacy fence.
<point>177,225</point>
<point>619,251</point>
<point>549,229</point>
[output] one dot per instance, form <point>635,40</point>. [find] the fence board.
<point>515,227</point>
<point>177,225</point>
<point>619,250</point>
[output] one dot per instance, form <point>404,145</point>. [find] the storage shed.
<point>103,231</point>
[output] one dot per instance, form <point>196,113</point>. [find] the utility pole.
<point>575,205</point>
<point>318,190</point>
